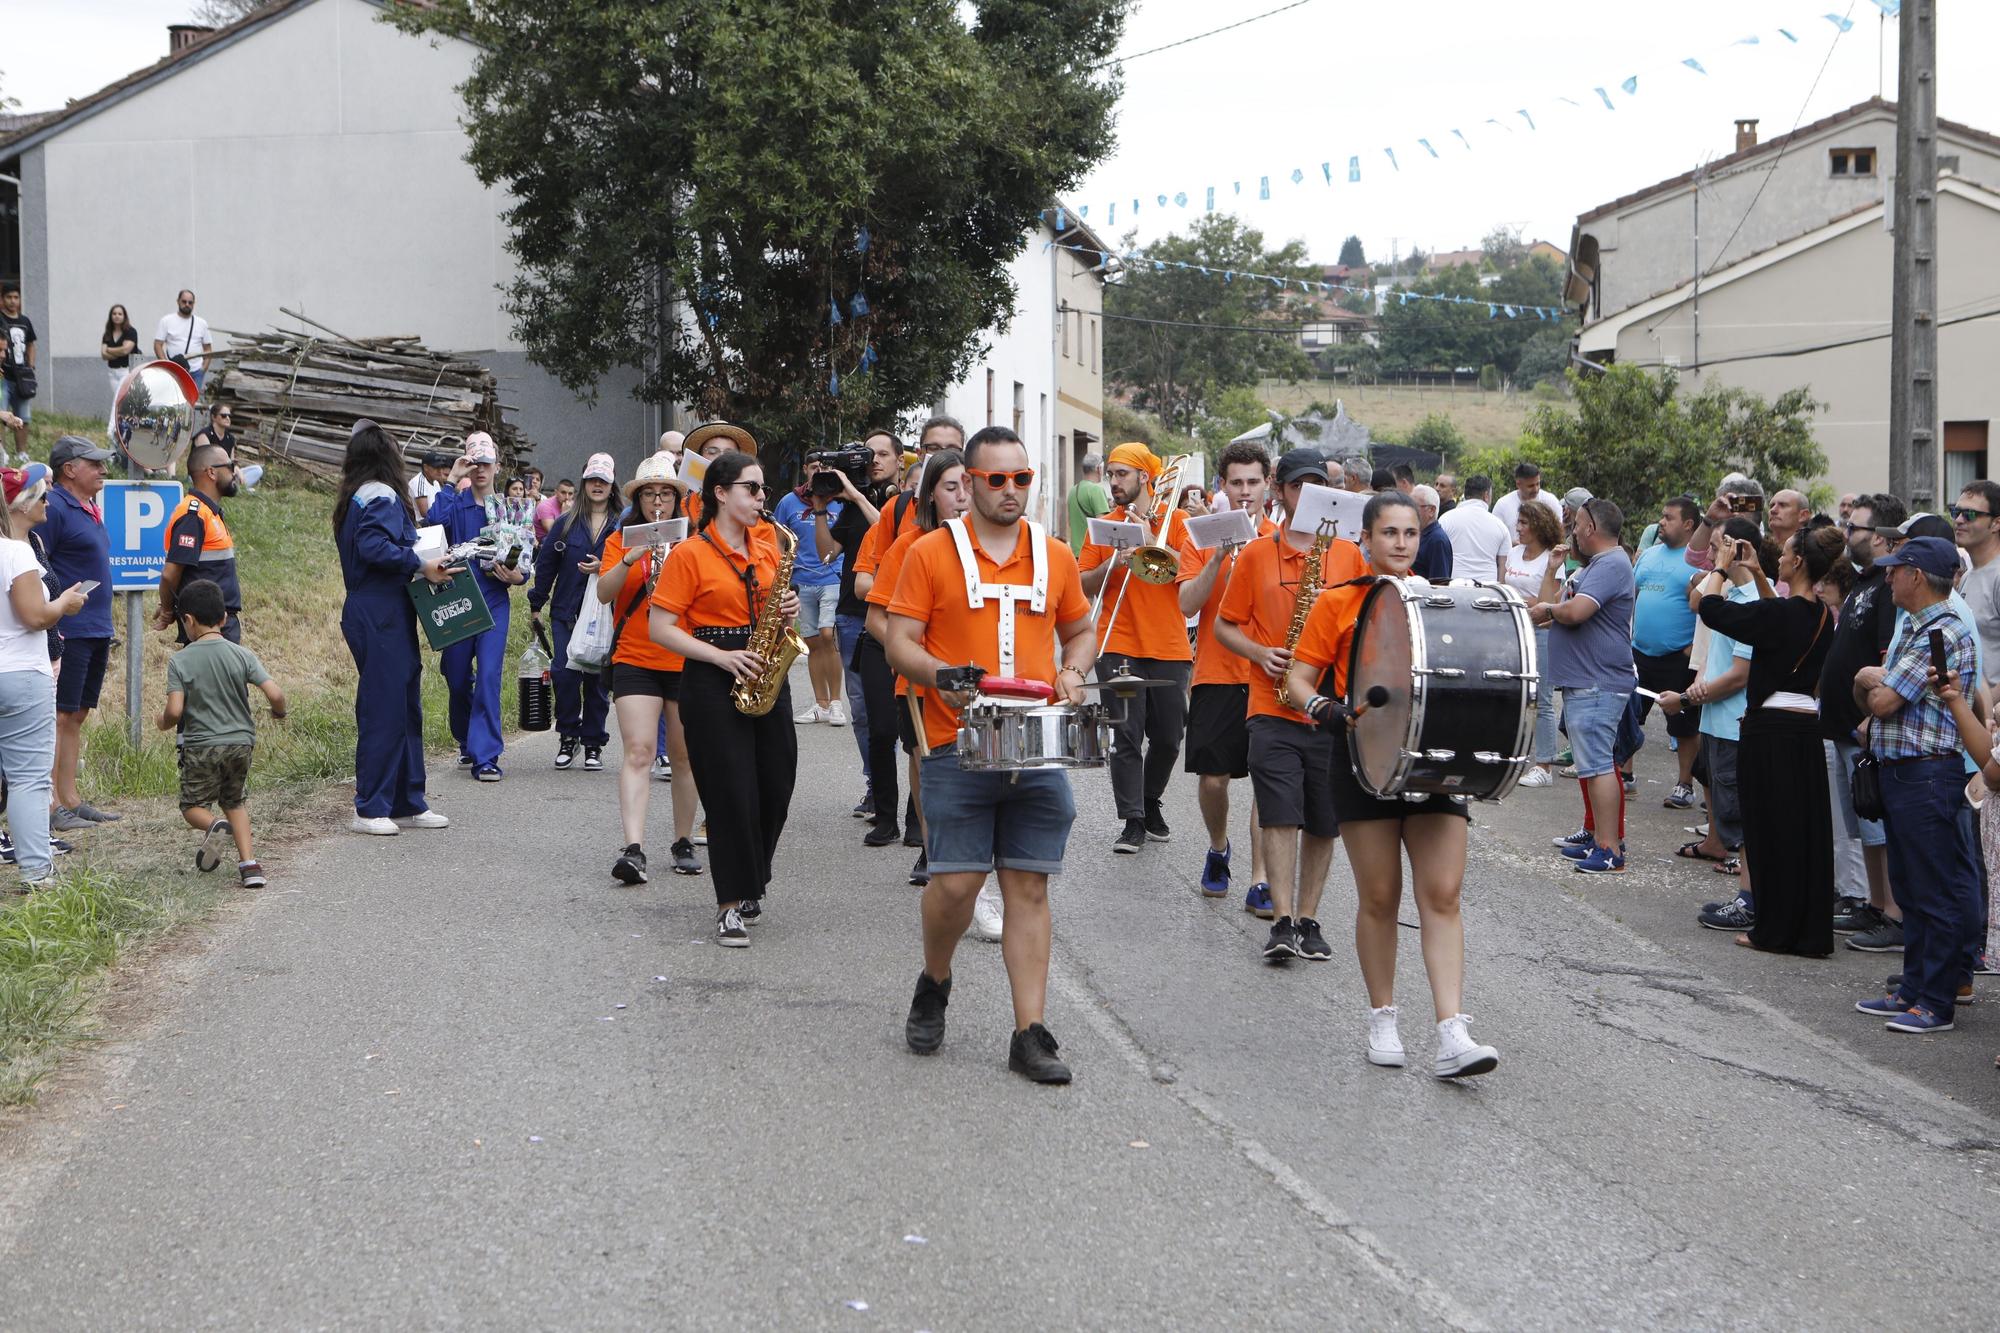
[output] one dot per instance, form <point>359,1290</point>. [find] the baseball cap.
<point>1299,464</point>
<point>437,458</point>
<point>600,468</point>
<point>479,448</point>
<point>1576,497</point>
<point>72,447</point>
<point>16,482</point>
<point>1933,555</point>
<point>1927,525</point>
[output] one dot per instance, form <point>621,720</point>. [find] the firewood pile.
<point>296,396</point>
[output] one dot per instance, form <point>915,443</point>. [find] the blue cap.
<point>1932,555</point>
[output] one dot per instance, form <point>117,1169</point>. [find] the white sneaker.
<point>807,716</point>
<point>986,914</point>
<point>1458,1054</point>
<point>1536,776</point>
<point>379,826</point>
<point>428,819</point>
<point>836,713</point>
<point>1385,1043</point>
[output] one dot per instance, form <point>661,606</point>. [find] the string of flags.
<point>1352,172</point>
<point>1494,309</point>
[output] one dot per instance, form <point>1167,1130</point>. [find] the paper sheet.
<point>1119,536</point>
<point>1319,503</point>
<point>663,533</point>
<point>1230,527</point>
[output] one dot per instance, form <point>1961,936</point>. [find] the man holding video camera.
<point>861,478</point>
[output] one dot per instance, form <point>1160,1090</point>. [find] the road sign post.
<point>135,521</point>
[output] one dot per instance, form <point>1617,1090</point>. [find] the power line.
<point>1289,330</point>
<point>1227,27</point>
<point>1782,353</point>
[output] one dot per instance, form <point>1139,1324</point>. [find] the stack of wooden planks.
<point>296,396</point>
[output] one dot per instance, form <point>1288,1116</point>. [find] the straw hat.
<point>739,438</point>
<point>653,470</point>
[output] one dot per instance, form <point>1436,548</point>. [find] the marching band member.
<point>1149,639</point>
<point>1218,740</point>
<point>1290,757</point>
<point>645,677</point>
<point>994,591</point>
<point>709,598</point>
<point>571,552</point>
<point>1379,832</point>
<point>375,533</point>
<point>941,495</point>
<point>472,668</point>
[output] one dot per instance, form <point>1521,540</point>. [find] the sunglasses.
<point>996,481</point>
<point>754,487</point>
<point>1960,512</point>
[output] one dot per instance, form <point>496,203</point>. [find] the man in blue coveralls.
<point>465,507</point>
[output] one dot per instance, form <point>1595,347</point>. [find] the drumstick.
<point>916,706</point>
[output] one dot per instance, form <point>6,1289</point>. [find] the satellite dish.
<point>152,416</point>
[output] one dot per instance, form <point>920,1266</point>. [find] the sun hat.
<point>654,470</point>
<point>739,438</point>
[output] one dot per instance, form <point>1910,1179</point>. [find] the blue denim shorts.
<point>985,821</point>
<point>1590,719</point>
<point>816,606</point>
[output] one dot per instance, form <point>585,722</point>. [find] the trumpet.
<point>1153,561</point>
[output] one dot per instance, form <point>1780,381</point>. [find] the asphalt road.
<point>462,1079</point>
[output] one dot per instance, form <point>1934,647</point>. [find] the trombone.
<point>1153,561</point>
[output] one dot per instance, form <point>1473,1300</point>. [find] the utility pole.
<point>1695,366</point>
<point>1913,429</point>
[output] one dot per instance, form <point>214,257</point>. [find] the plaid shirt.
<point>1923,727</point>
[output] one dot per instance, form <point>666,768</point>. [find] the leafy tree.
<point>1437,433</point>
<point>696,188</point>
<point>1443,335</point>
<point>1504,248</point>
<point>1545,356</point>
<point>1235,410</point>
<point>1351,253</point>
<point>1205,336</point>
<point>1631,436</point>
<point>222,13</point>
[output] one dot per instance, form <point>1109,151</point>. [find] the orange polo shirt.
<point>1150,623</point>
<point>882,534</point>
<point>1262,594</point>
<point>931,590</point>
<point>635,646</point>
<point>886,573</point>
<point>703,581</point>
<point>1214,664</point>
<point>1328,638</point>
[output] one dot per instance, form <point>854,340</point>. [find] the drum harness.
<point>1035,595</point>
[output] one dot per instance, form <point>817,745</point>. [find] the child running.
<point>208,687</point>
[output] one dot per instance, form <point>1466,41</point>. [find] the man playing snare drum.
<point>992,591</point>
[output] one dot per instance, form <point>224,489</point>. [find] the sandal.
<point>1730,867</point>
<point>1692,851</point>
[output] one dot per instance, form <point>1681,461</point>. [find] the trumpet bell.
<point>1155,564</point>
<point>153,415</point>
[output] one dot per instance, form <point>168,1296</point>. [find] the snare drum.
<point>1458,661</point>
<point>997,734</point>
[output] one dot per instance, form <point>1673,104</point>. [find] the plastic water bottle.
<point>537,692</point>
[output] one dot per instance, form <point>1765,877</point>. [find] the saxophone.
<point>1302,604</point>
<point>772,637</point>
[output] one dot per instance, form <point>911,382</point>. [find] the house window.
<point>1065,333</point>
<point>1964,454</point>
<point>1851,161</point>
<point>989,395</point>
<point>1093,347</point>
<point>1020,407</point>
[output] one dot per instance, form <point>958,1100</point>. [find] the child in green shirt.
<point>208,697</point>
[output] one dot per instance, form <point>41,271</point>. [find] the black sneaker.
<point>1312,944</point>
<point>866,809</point>
<point>882,835</point>
<point>730,932</point>
<point>566,753</point>
<point>920,873</point>
<point>1884,938</point>
<point>630,867</point>
<point>1032,1054</point>
<point>685,861</point>
<point>593,758</point>
<point>464,759</point>
<point>924,1029</point>
<point>1732,915</point>
<point>1854,915</point>
<point>1284,942</point>
<point>751,910</point>
<point>913,834</point>
<point>1156,825</point>
<point>1132,839</point>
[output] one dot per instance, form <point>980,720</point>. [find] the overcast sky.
<point>1334,79</point>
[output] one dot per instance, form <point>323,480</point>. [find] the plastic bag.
<point>591,641</point>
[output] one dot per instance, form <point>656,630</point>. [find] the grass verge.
<point>130,886</point>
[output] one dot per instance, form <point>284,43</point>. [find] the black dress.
<point>1781,772</point>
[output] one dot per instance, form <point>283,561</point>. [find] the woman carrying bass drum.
<point>1377,832</point>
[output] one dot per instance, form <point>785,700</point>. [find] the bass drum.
<point>1458,662</point>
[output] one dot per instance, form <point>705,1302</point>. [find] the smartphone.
<point>1940,662</point>
<point>88,586</point>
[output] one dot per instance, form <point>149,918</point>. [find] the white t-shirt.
<point>423,488</point>
<point>1508,508</point>
<point>174,336</point>
<point>21,648</point>
<point>1479,541</point>
<point>1524,575</point>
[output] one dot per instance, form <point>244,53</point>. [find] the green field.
<point>1486,419</point>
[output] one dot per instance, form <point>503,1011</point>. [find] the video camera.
<point>854,461</point>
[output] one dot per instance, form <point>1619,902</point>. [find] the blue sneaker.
<point>1577,853</point>
<point>1732,915</point>
<point>1887,1006</point>
<point>1215,873</point>
<point>1258,903</point>
<point>1602,861</point>
<point>1583,838</point>
<point>1919,1020</point>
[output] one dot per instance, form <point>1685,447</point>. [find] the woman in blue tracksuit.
<point>568,557</point>
<point>472,667</point>
<point>374,530</point>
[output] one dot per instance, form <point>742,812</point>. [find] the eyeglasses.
<point>754,487</point>
<point>996,481</point>
<point>1961,512</point>
<point>1851,528</point>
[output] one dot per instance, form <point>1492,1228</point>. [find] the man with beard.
<point>199,546</point>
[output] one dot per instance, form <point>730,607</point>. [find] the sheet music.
<point>1119,536</point>
<point>1229,527</point>
<point>1318,503</point>
<point>663,533</point>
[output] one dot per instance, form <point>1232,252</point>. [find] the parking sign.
<point>135,519</point>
